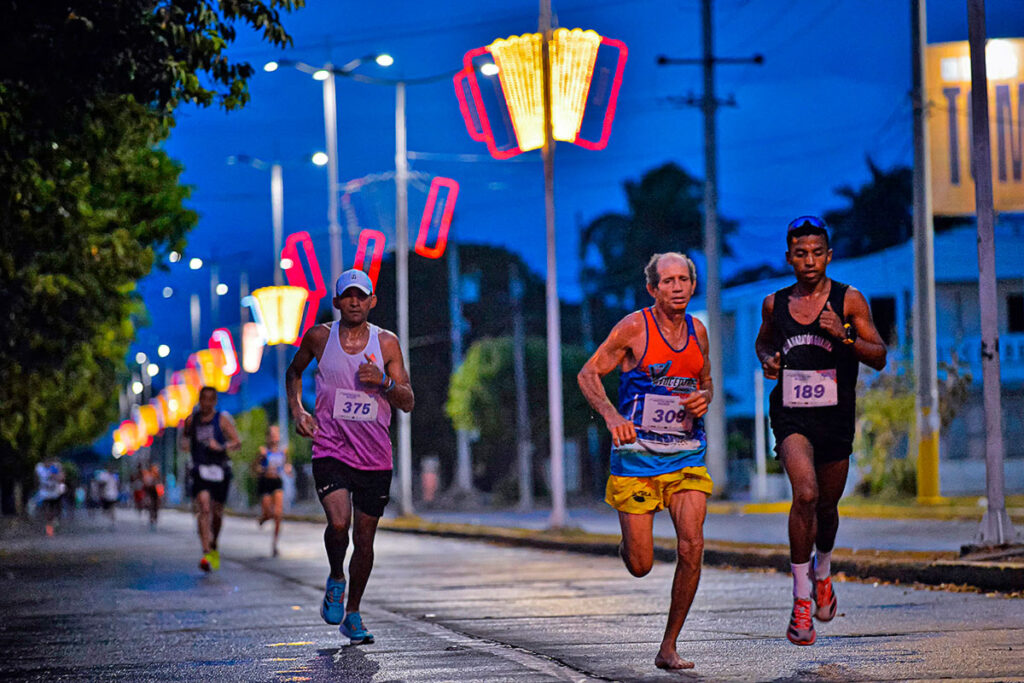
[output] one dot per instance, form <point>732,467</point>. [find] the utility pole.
<point>331,139</point>
<point>925,366</point>
<point>402,280</point>
<point>463,460</point>
<point>714,421</point>
<point>277,222</point>
<point>996,528</point>
<point>524,448</point>
<point>559,517</point>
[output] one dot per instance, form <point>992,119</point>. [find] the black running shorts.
<point>831,439</point>
<point>218,489</point>
<point>370,489</point>
<point>267,485</point>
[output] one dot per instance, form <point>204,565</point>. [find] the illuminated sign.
<point>221,339</point>
<point>502,84</point>
<point>376,256</point>
<point>439,216</point>
<point>948,93</point>
<point>296,274</point>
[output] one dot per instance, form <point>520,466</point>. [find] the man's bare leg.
<point>216,520</point>
<point>203,520</point>
<point>797,457</point>
<point>637,546</point>
<point>359,567</point>
<point>338,508</point>
<point>831,479</point>
<point>687,509</point>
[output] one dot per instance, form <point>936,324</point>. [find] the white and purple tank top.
<point>353,417</point>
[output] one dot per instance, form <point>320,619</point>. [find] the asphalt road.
<point>96,604</point>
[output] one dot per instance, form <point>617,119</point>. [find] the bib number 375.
<point>355,406</point>
<point>809,388</point>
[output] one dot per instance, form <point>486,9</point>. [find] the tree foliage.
<point>879,214</point>
<point>87,199</point>
<point>665,214</point>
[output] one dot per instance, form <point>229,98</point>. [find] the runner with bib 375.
<point>814,335</point>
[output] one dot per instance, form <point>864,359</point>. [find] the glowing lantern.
<point>210,363</point>
<point>443,224</point>
<point>252,347</point>
<point>586,71</point>
<point>377,256</point>
<point>221,339</point>
<point>147,419</point>
<point>297,275</point>
<point>281,311</point>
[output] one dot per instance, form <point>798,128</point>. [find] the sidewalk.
<point>876,542</point>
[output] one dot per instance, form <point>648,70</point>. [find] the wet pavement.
<point>129,604</point>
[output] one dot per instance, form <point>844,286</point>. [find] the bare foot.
<point>672,660</point>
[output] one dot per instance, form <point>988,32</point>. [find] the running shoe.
<point>801,627</point>
<point>332,609</point>
<point>204,562</point>
<point>215,560</point>
<point>824,599</point>
<point>353,629</point>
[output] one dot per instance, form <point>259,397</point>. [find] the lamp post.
<point>326,75</point>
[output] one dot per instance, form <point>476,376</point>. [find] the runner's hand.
<point>213,445</point>
<point>696,403</point>
<point>305,425</point>
<point>831,322</point>
<point>622,430</point>
<point>772,365</point>
<point>369,373</point>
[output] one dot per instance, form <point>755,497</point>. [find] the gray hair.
<point>651,269</point>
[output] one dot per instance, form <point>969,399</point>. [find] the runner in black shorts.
<point>814,335</point>
<point>209,435</point>
<point>271,466</point>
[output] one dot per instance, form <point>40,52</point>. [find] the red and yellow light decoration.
<point>252,347</point>
<point>221,339</point>
<point>296,274</point>
<point>450,188</point>
<point>376,256</point>
<point>281,311</point>
<point>517,61</point>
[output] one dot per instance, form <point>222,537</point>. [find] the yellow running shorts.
<point>639,495</point>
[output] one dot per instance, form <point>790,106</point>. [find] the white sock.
<point>822,565</point>
<point>802,580</point>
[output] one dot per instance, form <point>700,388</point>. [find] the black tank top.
<point>810,347</point>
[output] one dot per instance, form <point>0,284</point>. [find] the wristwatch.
<point>851,334</point>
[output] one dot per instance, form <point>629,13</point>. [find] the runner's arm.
<point>227,426</point>
<point>608,356</point>
<point>868,347</point>
<point>400,394</point>
<point>312,346</point>
<point>698,401</point>
<point>767,354</point>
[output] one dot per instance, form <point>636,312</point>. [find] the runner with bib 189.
<point>814,335</point>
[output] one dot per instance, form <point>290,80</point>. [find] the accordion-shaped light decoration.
<point>501,90</point>
<point>280,312</point>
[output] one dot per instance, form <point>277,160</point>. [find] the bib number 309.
<point>355,406</point>
<point>809,388</point>
<point>665,414</point>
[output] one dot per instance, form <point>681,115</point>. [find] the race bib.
<point>665,414</point>
<point>211,472</point>
<point>809,388</point>
<point>355,406</point>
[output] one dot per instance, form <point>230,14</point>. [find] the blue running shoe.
<point>352,627</point>
<point>332,609</point>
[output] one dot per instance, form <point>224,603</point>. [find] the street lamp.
<point>326,74</point>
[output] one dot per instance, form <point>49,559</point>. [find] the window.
<point>883,310</point>
<point>1015,313</point>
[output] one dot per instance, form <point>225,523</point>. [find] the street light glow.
<point>385,60</point>
<point>137,387</point>
<point>196,263</point>
<point>321,74</point>
<point>152,370</point>
<point>163,350</point>
<point>286,263</point>
<point>489,69</point>
<point>271,67</point>
<point>320,158</point>
<point>140,358</point>
<point>174,257</point>
<point>222,289</point>
<point>168,292</point>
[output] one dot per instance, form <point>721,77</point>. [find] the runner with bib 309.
<point>814,335</point>
<point>360,377</point>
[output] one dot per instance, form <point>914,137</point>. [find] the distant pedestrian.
<point>360,377</point>
<point>270,469</point>
<point>814,335</point>
<point>209,435</point>
<point>50,477</point>
<point>658,441</point>
<point>152,491</point>
<point>108,488</point>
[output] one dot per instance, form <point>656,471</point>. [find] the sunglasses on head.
<point>807,222</point>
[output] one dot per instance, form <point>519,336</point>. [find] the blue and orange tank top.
<point>668,438</point>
